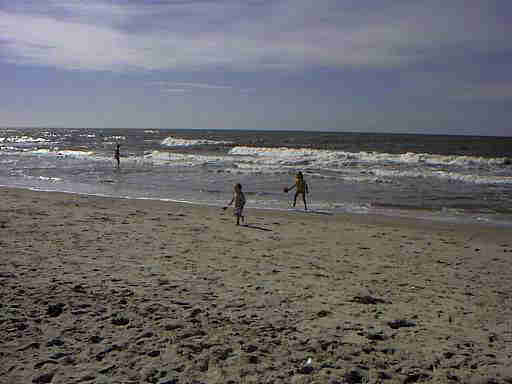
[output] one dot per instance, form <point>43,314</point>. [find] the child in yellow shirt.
<point>301,188</point>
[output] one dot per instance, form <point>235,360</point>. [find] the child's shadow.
<point>256,227</point>
<point>320,212</point>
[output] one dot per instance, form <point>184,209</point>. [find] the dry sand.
<point>99,290</point>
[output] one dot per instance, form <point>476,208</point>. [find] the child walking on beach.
<point>301,189</point>
<point>239,200</point>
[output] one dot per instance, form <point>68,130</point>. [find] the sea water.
<point>450,178</point>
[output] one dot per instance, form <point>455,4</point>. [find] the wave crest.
<point>175,142</point>
<point>345,158</point>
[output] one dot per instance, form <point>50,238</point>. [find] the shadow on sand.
<point>312,211</point>
<point>256,227</point>
<point>320,212</point>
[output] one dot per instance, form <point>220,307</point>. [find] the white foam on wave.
<point>112,139</point>
<point>85,155</point>
<point>44,178</point>
<point>175,142</point>
<point>229,163</point>
<point>182,159</point>
<point>23,140</point>
<point>241,160</point>
<point>55,152</point>
<point>49,134</point>
<point>445,175</point>
<point>318,163</point>
<point>341,158</point>
<point>9,148</point>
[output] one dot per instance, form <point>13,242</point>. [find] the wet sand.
<point>99,290</point>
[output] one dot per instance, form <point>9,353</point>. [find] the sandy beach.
<point>100,290</point>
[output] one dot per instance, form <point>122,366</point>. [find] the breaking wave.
<point>342,158</point>
<point>175,142</point>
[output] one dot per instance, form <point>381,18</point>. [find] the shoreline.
<point>380,217</point>
<point>98,289</point>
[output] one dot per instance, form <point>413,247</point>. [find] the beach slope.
<point>99,290</point>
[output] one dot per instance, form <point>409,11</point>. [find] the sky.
<point>403,66</point>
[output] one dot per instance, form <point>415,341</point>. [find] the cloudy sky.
<point>416,66</point>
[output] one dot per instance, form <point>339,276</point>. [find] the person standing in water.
<point>117,156</point>
<point>301,188</point>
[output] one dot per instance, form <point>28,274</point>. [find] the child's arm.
<point>231,202</point>
<point>306,187</point>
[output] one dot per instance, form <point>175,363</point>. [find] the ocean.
<point>462,179</point>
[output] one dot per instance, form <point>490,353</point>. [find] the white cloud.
<point>45,41</point>
<point>99,35</point>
